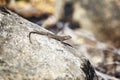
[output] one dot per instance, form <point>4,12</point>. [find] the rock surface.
<point>43,59</point>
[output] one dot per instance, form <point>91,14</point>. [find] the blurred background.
<point>93,24</point>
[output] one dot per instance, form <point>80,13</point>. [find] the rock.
<point>101,17</point>
<point>43,59</point>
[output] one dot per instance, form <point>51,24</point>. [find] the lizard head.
<point>67,37</point>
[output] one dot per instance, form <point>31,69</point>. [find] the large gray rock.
<point>43,59</point>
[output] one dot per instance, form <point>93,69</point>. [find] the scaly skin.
<point>50,35</point>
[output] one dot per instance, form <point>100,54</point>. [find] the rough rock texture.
<point>43,59</point>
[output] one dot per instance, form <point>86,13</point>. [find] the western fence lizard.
<point>50,35</point>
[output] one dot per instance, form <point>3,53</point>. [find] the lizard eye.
<point>68,37</point>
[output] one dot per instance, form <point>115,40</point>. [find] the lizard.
<point>4,10</point>
<point>50,35</point>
